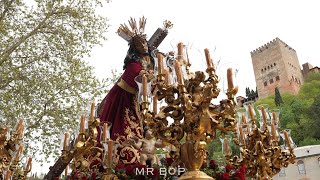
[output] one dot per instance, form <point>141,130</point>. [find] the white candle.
<point>177,68</point>
<point>273,131</point>
<point>110,149</point>
<point>19,124</point>
<point>144,87</point>
<point>66,171</point>
<point>92,111</point>
<point>82,122</point>
<point>160,63</point>
<point>230,80</point>
<point>8,174</point>
<point>226,146</point>
<point>66,141</point>
<point>104,134</point>
<point>243,118</point>
<point>286,137</point>
<point>29,164</point>
<point>167,77</point>
<point>19,152</point>
<point>251,112</point>
<point>208,58</point>
<point>180,50</point>
<point>20,133</point>
<point>155,104</point>
<point>275,118</point>
<point>241,135</point>
<point>264,118</point>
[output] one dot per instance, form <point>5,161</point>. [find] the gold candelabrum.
<point>260,149</point>
<point>11,150</point>
<point>85,154</point>
<point>188,104</point>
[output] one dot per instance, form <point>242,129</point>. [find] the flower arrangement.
<point>94,174</point>
<point>227,172</point>
<point>131,171</point>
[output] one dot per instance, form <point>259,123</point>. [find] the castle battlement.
<point>276,64</point>
<point>269,44</point>
<point>286,45</point>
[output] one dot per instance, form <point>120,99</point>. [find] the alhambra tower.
<point>276,64</point>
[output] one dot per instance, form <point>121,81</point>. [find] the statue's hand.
<point>142,72</point>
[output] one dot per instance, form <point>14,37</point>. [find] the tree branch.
<point>5,84</point>
<point>6,9</point>
<point>37,122</point>
<point>5,55</point>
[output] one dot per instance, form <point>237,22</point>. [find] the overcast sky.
<point>230,29</point>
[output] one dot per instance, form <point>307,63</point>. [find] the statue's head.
<point>135,35</point>
<point>147,132</point>
<point>139,46</point>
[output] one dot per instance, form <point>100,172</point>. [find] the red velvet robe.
<point>121,109</point>
<point>121,106</point>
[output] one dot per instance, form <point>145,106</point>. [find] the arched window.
<point>265,83</point>
<point>319,161</point>
<point>301,167</point>
<point>271,81</point>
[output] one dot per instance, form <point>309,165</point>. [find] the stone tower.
<point>276,64</point>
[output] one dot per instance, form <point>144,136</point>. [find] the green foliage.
<point>159,151</point>
<point>251,94</point>
<point>311,88</point>
<point>296,136</point>
<point>312,77</point>
<point>247,91</point>
<point>286,115</point>
<point>268,100</point>
<point>214,147</point>
<point>301,112</point>
<point>309,141</point>
<point>314,114</point>
<point>44,79</point>
<point>278,98</point>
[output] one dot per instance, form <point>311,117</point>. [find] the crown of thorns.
<point>135,29</point>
